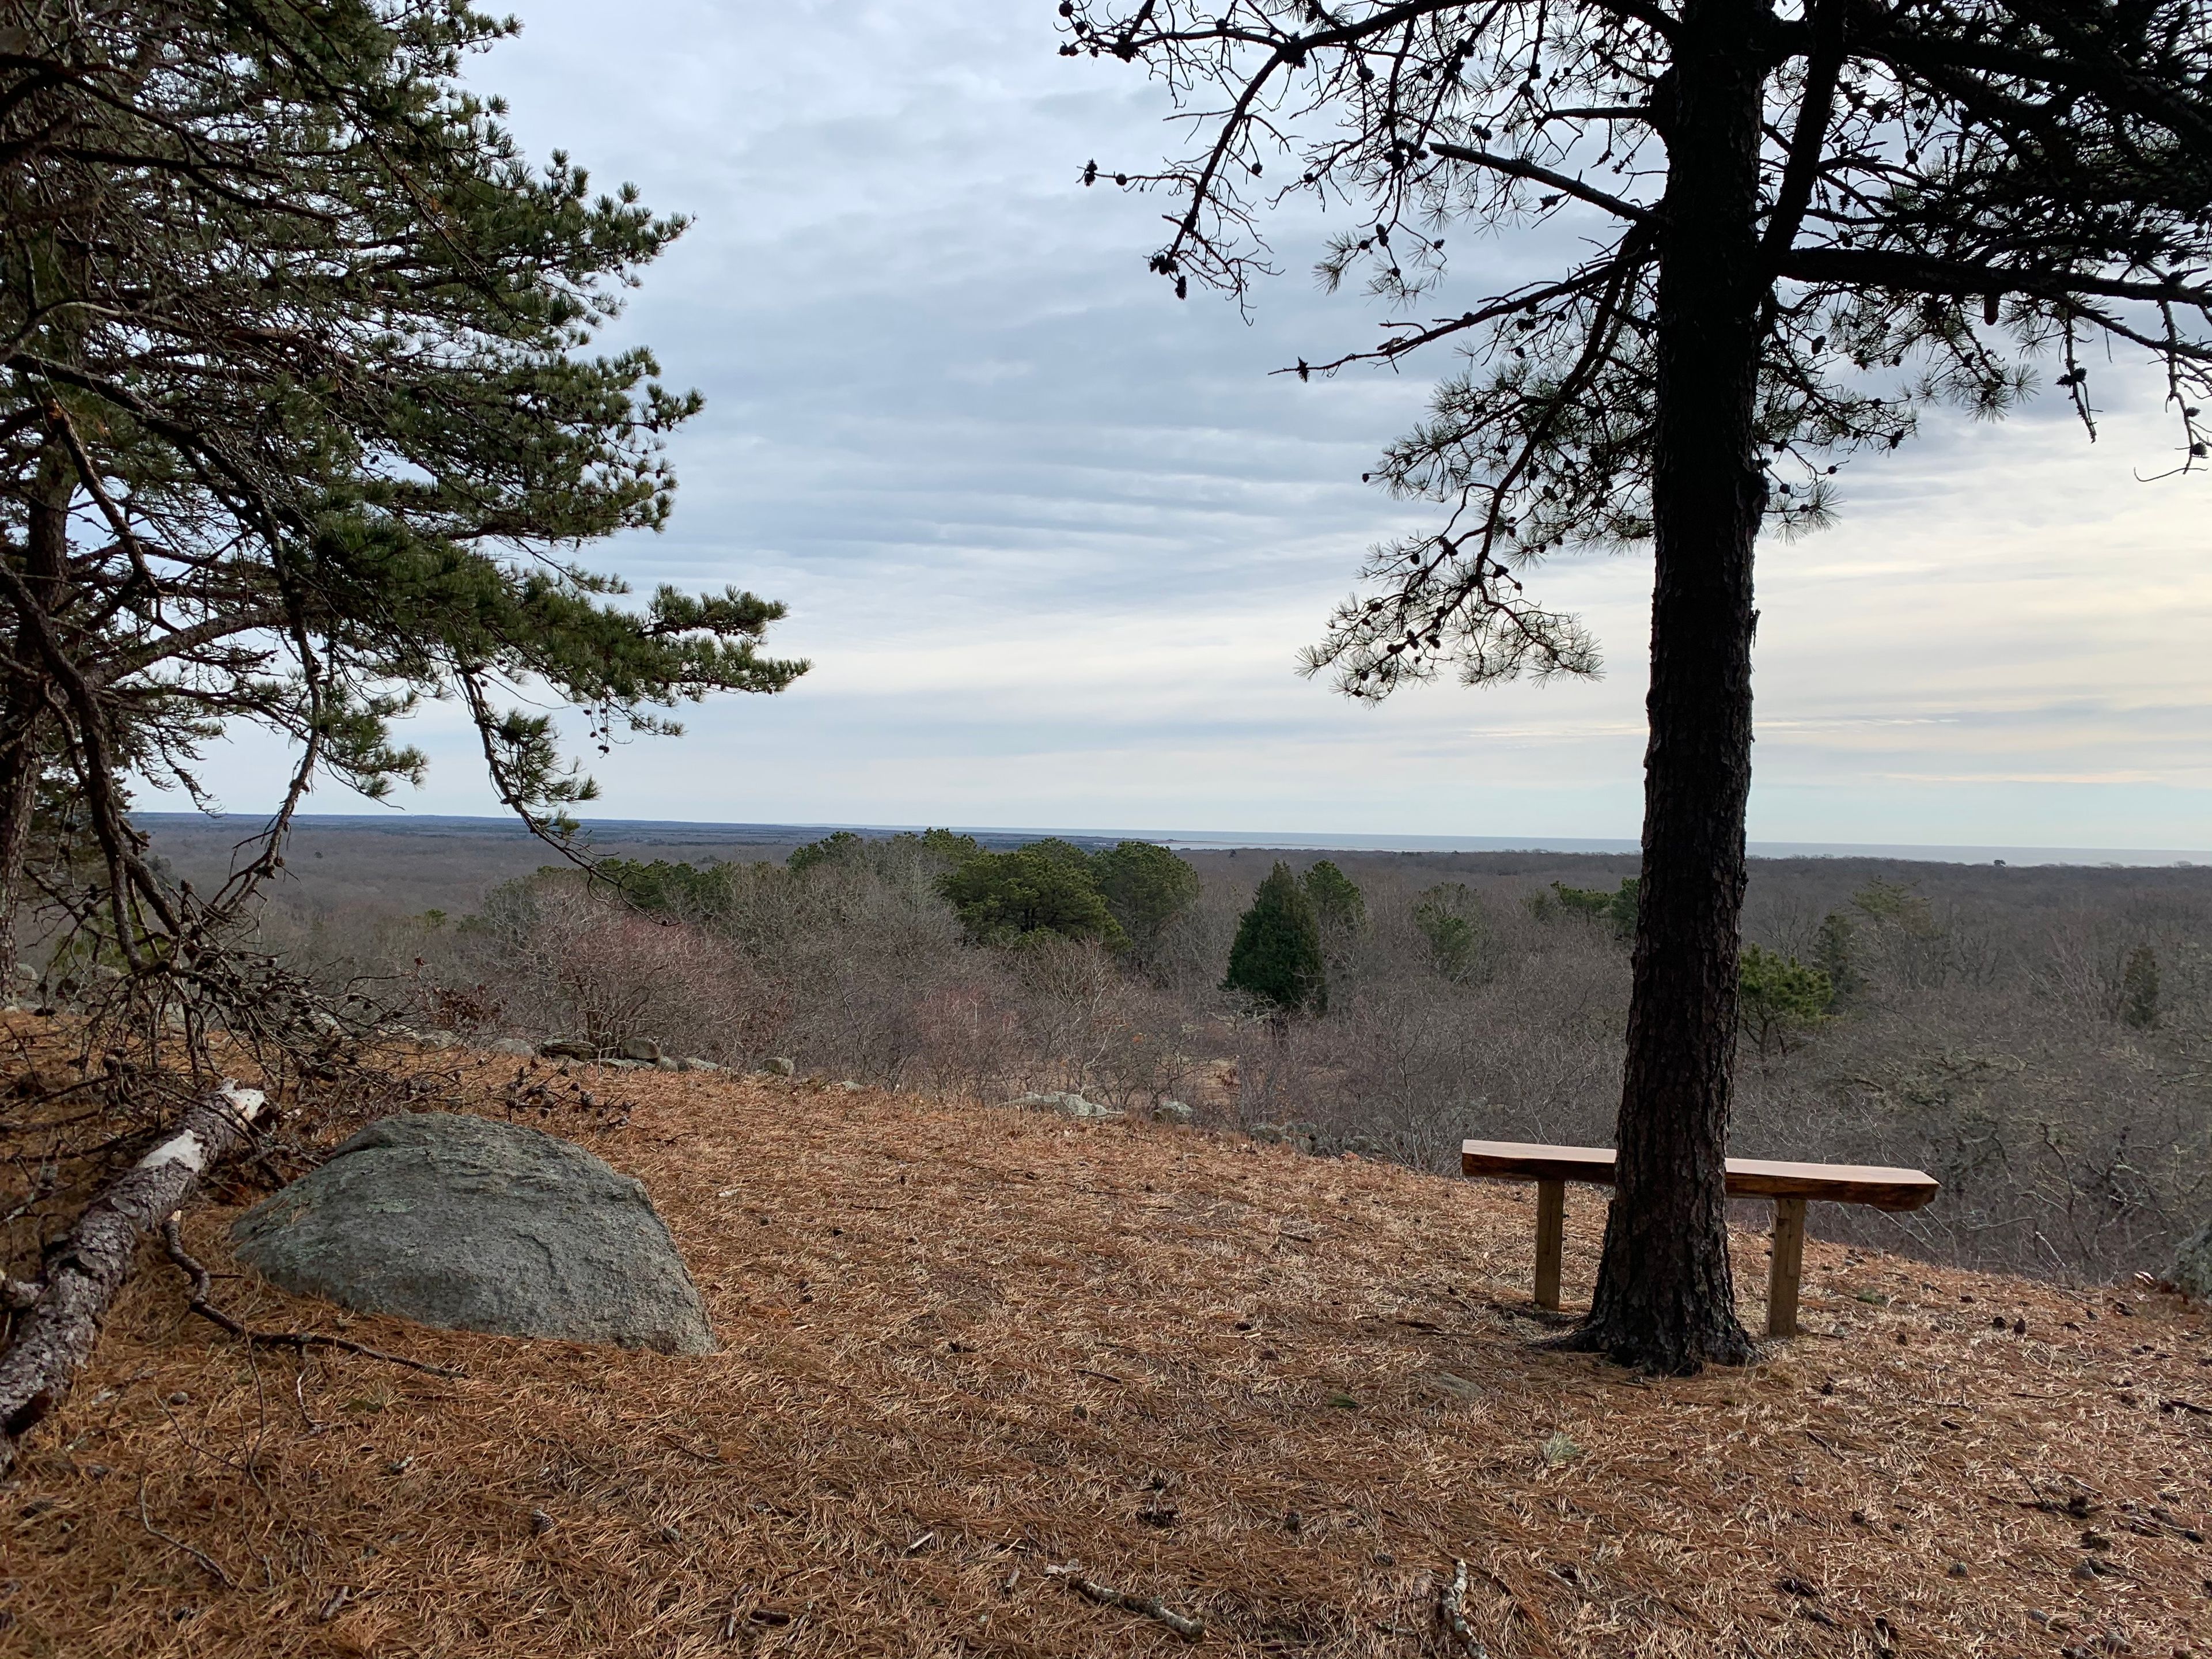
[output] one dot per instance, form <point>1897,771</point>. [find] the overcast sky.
<point>1053,539</point>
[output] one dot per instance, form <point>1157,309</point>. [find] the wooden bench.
<point>1789,1185</point>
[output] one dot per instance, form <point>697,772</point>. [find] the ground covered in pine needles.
<point>966,1349</point>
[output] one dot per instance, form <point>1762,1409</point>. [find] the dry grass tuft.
<point>964,1345</point>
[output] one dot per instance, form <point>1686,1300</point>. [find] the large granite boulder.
<point>480,1226</point>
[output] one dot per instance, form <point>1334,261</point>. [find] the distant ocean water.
<point>655,829</point>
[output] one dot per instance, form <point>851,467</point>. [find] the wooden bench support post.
<point>1551,1238</point>
<point>1789,1260</point>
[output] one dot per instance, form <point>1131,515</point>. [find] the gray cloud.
<point>1053,538</point>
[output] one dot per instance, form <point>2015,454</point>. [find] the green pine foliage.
<point>1003,898</point>
<point>1837,953</point>
<point>301,424</point>
<point>1778,998</point>
<point>666,888</point>
<point>1450,917</point>
<point>2139,988</point>
<point>1276,959</point>
<point>1338,903</point>
<point>1615,910</point>
<point>1145,888</point>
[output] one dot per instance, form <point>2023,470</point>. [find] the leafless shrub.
<point>1981,1031</point>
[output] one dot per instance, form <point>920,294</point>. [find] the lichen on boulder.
<point>479,1225</point>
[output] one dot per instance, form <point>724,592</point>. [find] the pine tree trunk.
<point>46,568</point>
<point>19,780</point>
<point>1665,1300</point>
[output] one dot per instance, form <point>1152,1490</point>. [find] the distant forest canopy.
<point>2034,1036</point>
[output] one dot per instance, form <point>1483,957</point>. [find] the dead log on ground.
<point>55,1338</point>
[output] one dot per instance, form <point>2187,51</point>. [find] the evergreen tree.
<point>1837,951</point>
<point>1276,958</point>
<point>1778,997</point>
<point>1002,898</point>
<point>1796,226</point>
<point>299,426</point>
<point>2139,988</point>
<point>1449,916</point>
<point>1339,905</point>
<point>1145,888</point>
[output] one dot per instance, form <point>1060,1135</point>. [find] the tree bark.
<point>19,788</point>
<point>46,574</point>
<point>1665,1300</point>
<point>91,1263</point>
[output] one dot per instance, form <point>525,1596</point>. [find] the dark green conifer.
<point>1277,956</point>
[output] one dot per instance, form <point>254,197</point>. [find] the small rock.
<point>851,1087</point>
<point>780,1066</point>
<point>569,1048</point>
<point>693,1063</point>
<point>1451,1383</point>
<point>665,1064</point>
<point>644,1050</point>
<point>1957,1570</point>
<point>540,1522</point>
<point>1266,1133</point>
<point>517,1048</point>
<point>1172,1111</point>
<point>438,1039</point>
<point>1067,1105</point>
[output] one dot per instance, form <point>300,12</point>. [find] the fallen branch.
<point>172,1244</point>
<point>1451,1613</point>
<point>54,1340</point>
<point>1182,1624</point>
<point>198,1555</point>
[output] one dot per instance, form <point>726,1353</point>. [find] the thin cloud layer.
<point>1053,539</point>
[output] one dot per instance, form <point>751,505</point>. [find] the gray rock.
<point>1172,1111</point>
<point>569,1048</point>
<point>694,1063</point>
<point>2192,1268</point>
<point>644,1050</point>
<point>1067,1105</point>
<point>665,1064</point>
<point>851,1087</point>
<point>438,1039</point>
<point>1265,1133</point>
<point>517,1048</point>
<point>1451,1385</point>
<point>779,1067</point>
<point>478,1225</point>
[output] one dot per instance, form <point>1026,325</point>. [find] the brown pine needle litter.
<point>974,1357</point>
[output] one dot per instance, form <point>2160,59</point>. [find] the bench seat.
<point>1748,1177</point>
<point>1789,1185</point>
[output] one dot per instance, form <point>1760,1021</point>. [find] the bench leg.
<point>1551,1232</point>
<point>1789,1259</point>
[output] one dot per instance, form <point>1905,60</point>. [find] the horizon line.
<point>1283,840</point>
